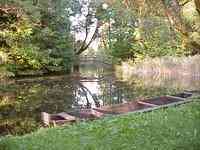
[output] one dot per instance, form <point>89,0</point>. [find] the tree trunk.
<point>76,65</point>
<point>173,12</point>
<point>197,4</point>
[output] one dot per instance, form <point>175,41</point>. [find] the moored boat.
<point>132,106</point>
<point>70,117</point>
<point>57,119</point>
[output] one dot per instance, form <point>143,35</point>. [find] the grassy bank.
<point>173,128</point>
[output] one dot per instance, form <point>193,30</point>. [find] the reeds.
<point>166,66</point>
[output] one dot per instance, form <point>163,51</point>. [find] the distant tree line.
<point>39,36</point>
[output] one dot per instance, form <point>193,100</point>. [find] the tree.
<point>197,4</point>
<point>173,12</point>
<point>88,25</point>
<point>39,38</point>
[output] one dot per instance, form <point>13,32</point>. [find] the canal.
<point>23,99</point>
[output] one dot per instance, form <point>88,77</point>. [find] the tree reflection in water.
<point>23,100</point>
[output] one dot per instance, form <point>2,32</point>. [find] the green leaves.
<point>38,40</point>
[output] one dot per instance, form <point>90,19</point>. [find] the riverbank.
<point>165,129</point>
<point>163,66</point>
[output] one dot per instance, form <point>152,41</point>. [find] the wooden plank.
<point>163,106</point>
<point>174,97</point>
<point>46,118</point>
<point>188,92</point>
<point>148,104</point>
<point>66,116</point>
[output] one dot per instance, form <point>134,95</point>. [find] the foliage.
<point>36,41</point>
<point>136,30</point>
<point>42,35</point>
<point>162,129</point>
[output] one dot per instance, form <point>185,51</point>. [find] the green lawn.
<point>176,128</point>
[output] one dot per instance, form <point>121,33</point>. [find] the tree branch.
<point>82,49</point>
<point>183,4</point>
<point>197,4</point>
<point>86,36</point>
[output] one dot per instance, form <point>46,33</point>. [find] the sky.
<point>82,18</point>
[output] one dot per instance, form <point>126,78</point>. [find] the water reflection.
<point>85,95</point>
<point>22,100</point>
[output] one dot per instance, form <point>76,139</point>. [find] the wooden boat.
<point>183,94</point>
<point>132,106</point>
<point>121,108</point>
<point>146,104</point>
<point>62,118</point>
<point>56,119</point>
<point>87,114</point>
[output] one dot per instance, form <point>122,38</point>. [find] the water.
<point>23,100</point>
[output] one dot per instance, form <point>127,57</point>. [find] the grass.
<point>176,128</point>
